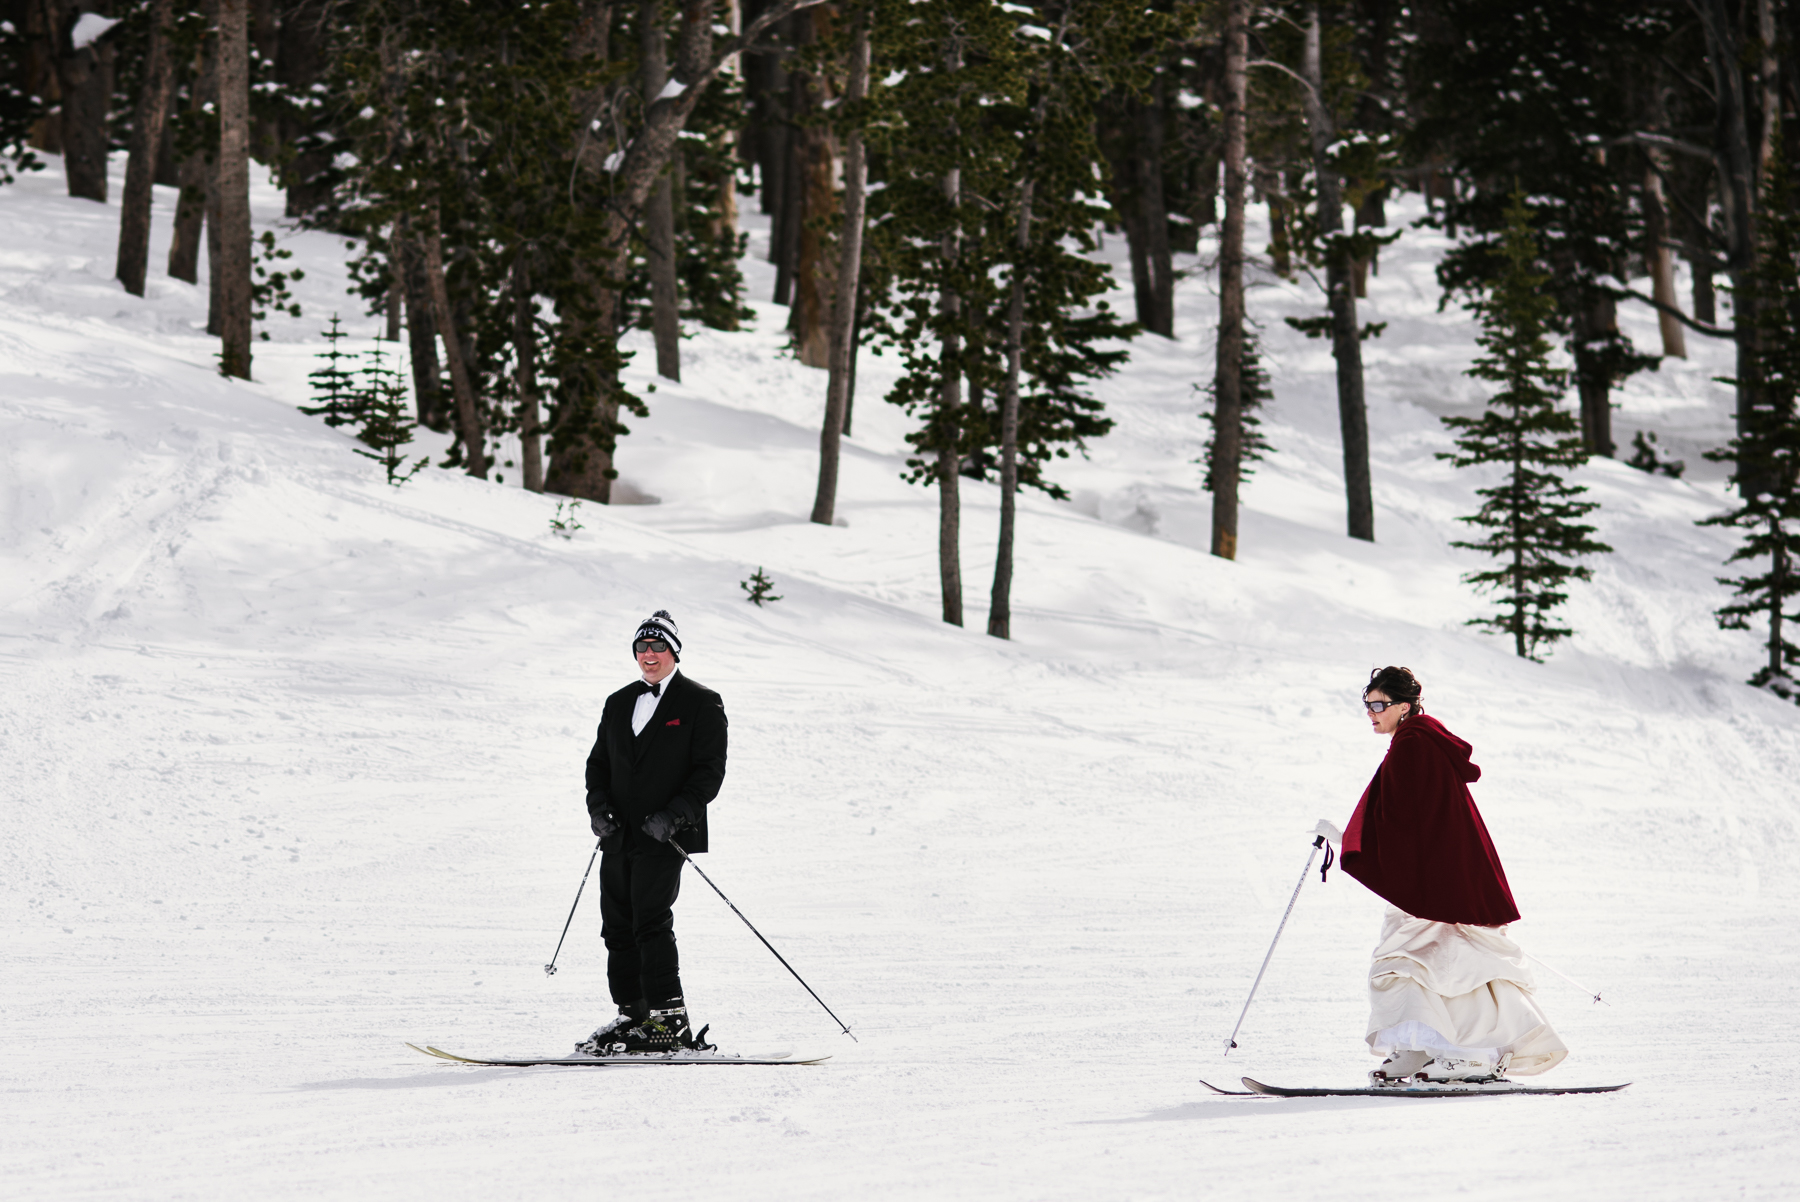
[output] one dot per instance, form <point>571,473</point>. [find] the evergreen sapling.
<point>1255,393</point>
<point>1532,515</point>
<point>760,587</point>
<point>1646,456</point>
<point>386,423</point>
<point>333,388</point>
<point>565,522</point>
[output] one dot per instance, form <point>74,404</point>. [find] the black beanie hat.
<point>660,626</point>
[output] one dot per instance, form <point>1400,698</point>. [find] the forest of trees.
<point>526,179</point>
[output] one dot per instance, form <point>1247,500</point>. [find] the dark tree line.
<point>527,179</point>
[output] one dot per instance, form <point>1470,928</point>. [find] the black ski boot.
<point>610,1038</point>
<point>664,1033</point>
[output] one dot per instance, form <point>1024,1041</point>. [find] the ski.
<point>1230,1093</point>
<point>1425,1089</point>
<point>615,1061</point>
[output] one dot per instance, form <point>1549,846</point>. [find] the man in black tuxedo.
<point>658,760</point>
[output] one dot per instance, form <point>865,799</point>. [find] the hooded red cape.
<point>1417,839</point>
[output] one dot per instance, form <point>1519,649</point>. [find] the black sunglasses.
<point>1376,707</point>
<point>642,645</point>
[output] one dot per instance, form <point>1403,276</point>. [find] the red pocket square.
<point>673,722</point>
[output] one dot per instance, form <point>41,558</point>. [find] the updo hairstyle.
<point>1399,684</point>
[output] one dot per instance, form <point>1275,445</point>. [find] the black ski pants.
<point>638,888</point>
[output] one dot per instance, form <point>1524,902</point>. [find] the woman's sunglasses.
<point>1376,707</point>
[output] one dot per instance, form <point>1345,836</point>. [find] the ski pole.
<point>759,935</point>
<point>550,968</point>
<point>1318,842</point>
<point>1571,980</point>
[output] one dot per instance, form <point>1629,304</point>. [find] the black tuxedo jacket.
<point>677,764</point>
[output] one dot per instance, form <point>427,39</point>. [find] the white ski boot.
<point>1400,1066</point>
<point>1446,1069</point>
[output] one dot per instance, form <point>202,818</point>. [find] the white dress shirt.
<point>646,705</point>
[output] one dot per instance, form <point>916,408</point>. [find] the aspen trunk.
<point>146,142</point>
<point>233,182</point>
<point>843,313</point>
<point>659,212</point>
<point>1228,392</point>
<point>1346,339</point>
<point>468,408</point>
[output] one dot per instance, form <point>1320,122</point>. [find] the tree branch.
<point>1671,310</point>
<point>1288,71</point>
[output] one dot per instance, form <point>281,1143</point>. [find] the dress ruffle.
<point>1451,989</point>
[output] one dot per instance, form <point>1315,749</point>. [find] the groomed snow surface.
<point>293,774</point>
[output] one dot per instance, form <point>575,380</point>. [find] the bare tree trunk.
<point>214,255</point>
<point>394,299</point>
<point>525,345</point>
<point>1661,263</point>
<point>790,216</point>
<point>1228,423</point>
<point>659,213</point>
<point>948,418</point>
<point>468,407</point>
<point>1000,600</point>
<point>843,313</point>
<point>233,275</point>
<point>146,141</point>
<point>190,220</point>
<point>1149,121</point>
<point>1346,338</point>
<point>421,331</point>
<point>85,80</point>
<point>811,319</point>
<point>1593,385</point>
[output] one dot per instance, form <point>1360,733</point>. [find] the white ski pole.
<point>1571,980</point>
<point>1318,842</point>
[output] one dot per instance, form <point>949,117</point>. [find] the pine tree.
<point>386,423</point>
<point>1532,515</point>
<point>1256,393</point>
<point>1767,453</point>
<point>333,388</point>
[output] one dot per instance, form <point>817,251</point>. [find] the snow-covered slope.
<point>293,774</point>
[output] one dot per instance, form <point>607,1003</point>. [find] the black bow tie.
<point>655,690</point>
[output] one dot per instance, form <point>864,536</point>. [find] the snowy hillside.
<point>293,774</point>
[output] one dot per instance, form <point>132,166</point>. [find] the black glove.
<point>602,825</point>
<point>661,825</point>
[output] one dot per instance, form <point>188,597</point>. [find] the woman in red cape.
<point>1451,997</point>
